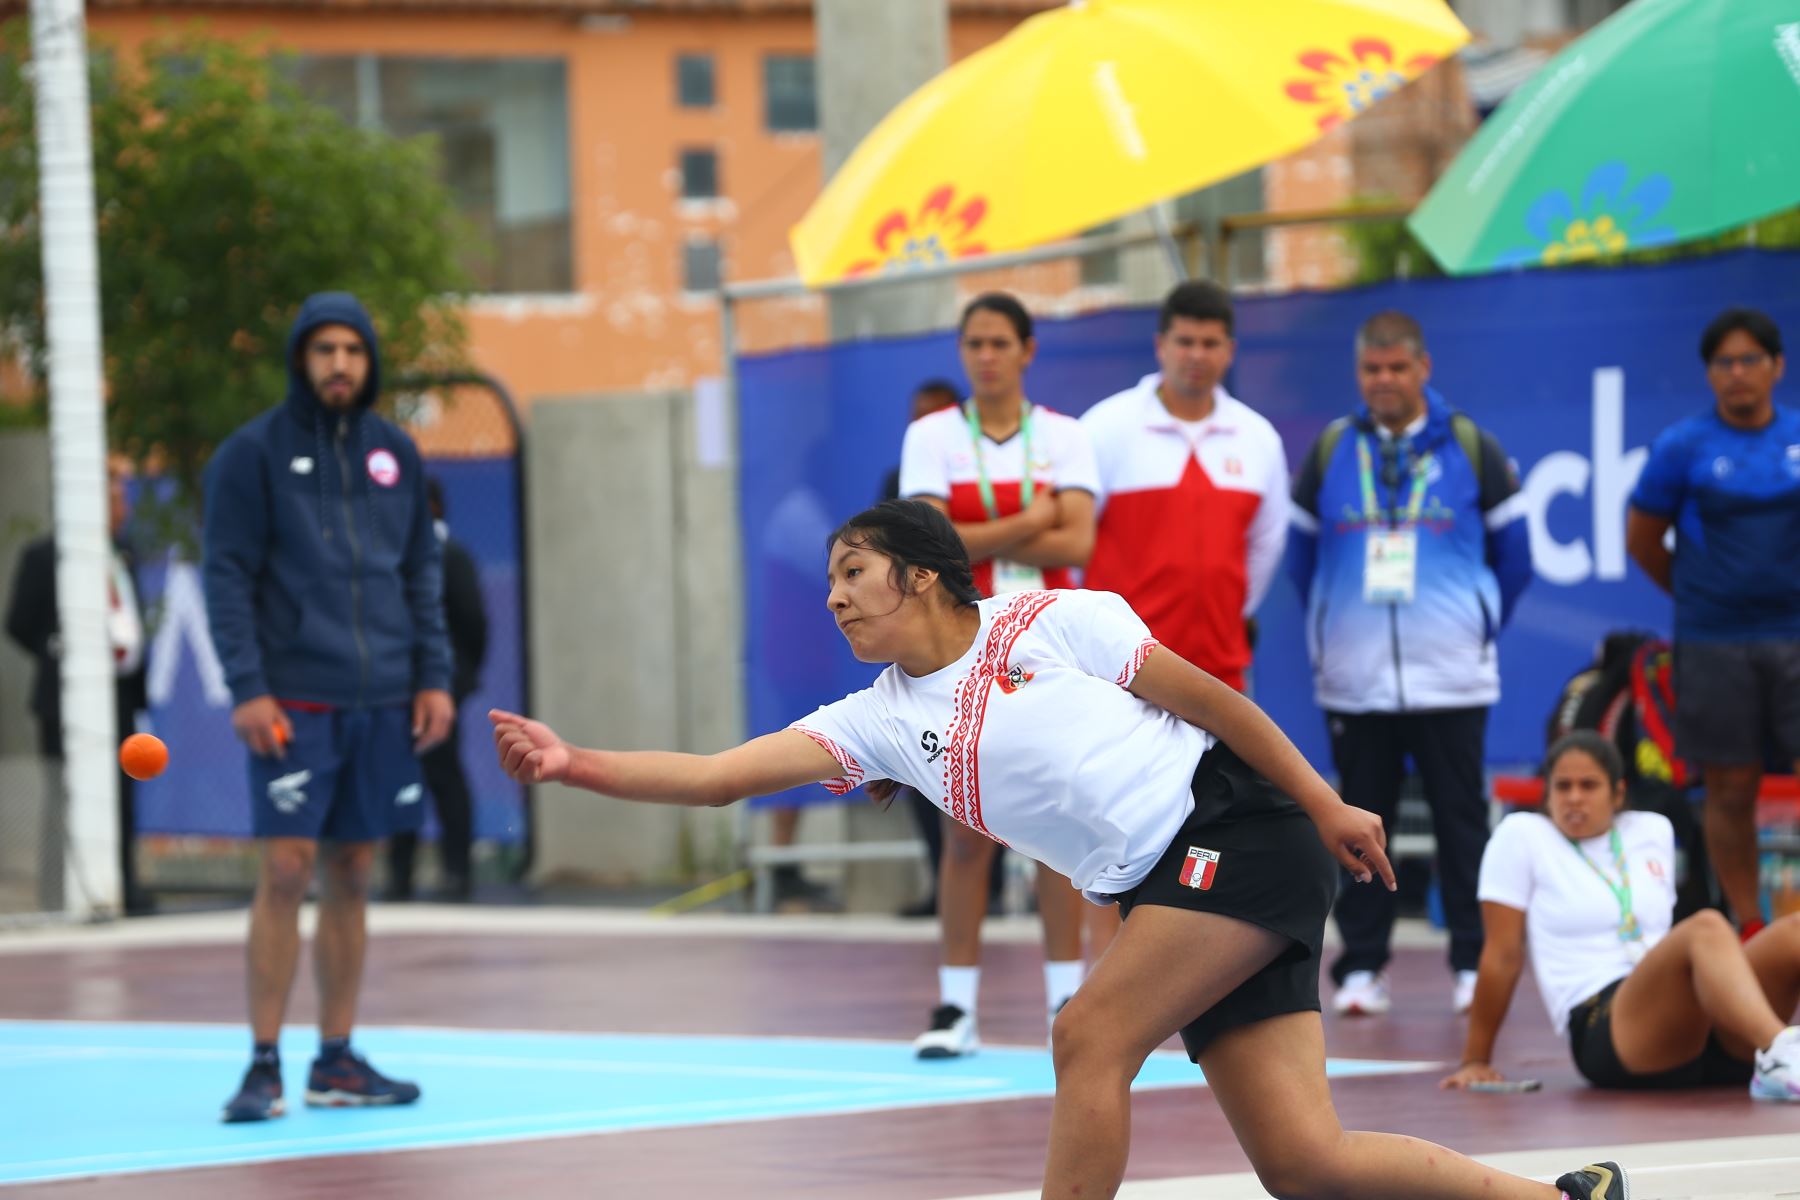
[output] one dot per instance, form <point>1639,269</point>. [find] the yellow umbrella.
<point>1088,112</point>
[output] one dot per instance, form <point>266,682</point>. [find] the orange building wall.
<point>627,325</point>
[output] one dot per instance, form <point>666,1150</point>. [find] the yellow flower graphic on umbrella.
<point>1347,86</point>
<point>942,229</point>
<point>1610,213</point>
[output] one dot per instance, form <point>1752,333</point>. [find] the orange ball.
<point>143,756</point>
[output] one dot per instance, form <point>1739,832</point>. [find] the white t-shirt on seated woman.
<point>1032,738</point>
<point>1571,916</point>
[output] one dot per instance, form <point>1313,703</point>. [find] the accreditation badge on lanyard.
<point>1631,934</point>
<point>1008,576</point>
<point>1390,553</point>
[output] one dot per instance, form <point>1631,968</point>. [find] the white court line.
<point>389,920</point>
<point>1747,1168</point>
<point>711,1070</point>
<point>678,1035</point>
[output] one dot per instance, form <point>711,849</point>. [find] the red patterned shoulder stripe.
<point>1138,658</point>
<point>853,772</point>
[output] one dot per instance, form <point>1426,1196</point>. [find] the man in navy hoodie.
<point>323,590</point>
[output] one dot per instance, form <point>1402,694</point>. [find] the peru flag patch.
<point>1198,870</point>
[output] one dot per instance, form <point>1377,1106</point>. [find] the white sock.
<point>957,985</point>
<point>1061,979</point>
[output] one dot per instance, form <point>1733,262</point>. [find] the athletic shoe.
<point>258,1097</point>
<point>1362,994</point>
<point>952,1034</point>
<point>349,1081</point>
<point>1462,999</point>
<point>1597,1181</point>
<point>1777,1074</point>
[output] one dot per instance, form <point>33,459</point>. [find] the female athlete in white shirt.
<point>1051,720</point>
<point>1591,889</point>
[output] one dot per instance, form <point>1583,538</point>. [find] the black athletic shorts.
<point>1591,1044</point>
<point>1251,853</point>
<point>1735,700</point>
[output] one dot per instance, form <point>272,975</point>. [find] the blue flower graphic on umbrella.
<point>1614,215</point>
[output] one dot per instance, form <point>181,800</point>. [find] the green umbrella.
<point>1671,120</point>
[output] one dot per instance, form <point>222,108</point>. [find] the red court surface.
<point>568,970</point>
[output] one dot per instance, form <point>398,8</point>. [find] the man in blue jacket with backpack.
<point>323,591</point>
<point>1410,549</point>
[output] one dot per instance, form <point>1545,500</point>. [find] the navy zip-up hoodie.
<point>322,570</point>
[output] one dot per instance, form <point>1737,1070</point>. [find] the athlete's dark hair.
<point>1197,300</point>
<point>938,386</point>
<point>1757,324</point>
<point>1004,303</point>
<point>1595,746</point>
<point>912,533</point>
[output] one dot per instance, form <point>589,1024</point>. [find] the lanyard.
<point>1628,922</point>
<point>1365,469</point>
<point>981,475</point>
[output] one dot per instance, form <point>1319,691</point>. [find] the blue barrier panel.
<point>1574,371</point>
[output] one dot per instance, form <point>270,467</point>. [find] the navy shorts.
<point>349,775</point>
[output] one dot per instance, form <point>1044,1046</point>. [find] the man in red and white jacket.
<point>1193,491</point>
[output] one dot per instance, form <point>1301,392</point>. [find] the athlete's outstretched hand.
<point>529,751</point>
<point>1355,838</point>
<point>1470,1073</point>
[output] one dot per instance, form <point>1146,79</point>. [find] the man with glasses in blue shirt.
<point>1728,482</point>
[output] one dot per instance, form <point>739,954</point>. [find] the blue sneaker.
<point>258,1097</point>
<point>349,1081</point>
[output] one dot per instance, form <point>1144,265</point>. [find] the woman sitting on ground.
<point>1645,1005</point>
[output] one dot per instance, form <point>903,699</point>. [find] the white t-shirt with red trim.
<point>938,459</point>
<point>1032,738</point>
<point>1571,915</point>
<point>1193,519</point>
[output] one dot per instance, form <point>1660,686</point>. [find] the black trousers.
<point>449,787</point>
<point>1447,746</point>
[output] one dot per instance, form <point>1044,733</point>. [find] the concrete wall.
<point>635,619</point>
<point>24,515</point>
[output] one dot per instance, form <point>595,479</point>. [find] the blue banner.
<point>1575,372</point>
<point>205,790</point>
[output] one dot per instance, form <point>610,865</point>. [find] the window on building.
<point>1239,194</point>
<point>790,94</point>
<point>502,130</point>
<point>1103,269</point>
<point>694,81</point>
<point>702,265</point>
<point>699,174</point>
<point>1585,14</point>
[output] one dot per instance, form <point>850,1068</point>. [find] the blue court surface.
<point>96,1098</point>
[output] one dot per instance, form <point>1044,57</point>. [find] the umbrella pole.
<point>1166,237</point>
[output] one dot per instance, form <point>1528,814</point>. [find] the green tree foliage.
<point>223,199</point>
